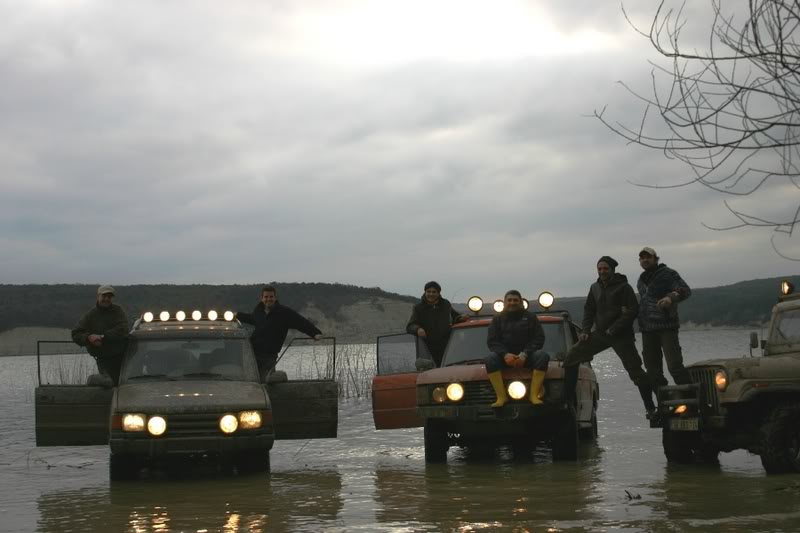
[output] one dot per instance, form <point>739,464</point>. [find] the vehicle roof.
<point>207,329</point>
<point>485,321</point>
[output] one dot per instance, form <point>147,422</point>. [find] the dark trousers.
<point>266,364</point>
<point>110,367</point>
<point>537,361</point>
<point>624,347</point>
<point>656,343</point>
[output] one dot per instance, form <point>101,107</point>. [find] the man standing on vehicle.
<point>610,309</point>
<point>431,319</point>
<point>103,330</point>
<point>515,339</point>
<point>272,323</point>
<point>660,290</point>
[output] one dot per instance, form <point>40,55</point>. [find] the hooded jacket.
<point>610,307</point>
<point>436,320</point>
<point>654,284</point>
<point>271,328</point>
<point>111,322</point>
<point>515,332</point>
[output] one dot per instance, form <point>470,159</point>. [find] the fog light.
<point>156,425</point>
<point>228,424</point>
<point>721,380</point>
<point>439,395</point>
<point>133,422</point>
<point>250,419</point>
<point>455,391</point>
<point>517,390</point>
<point>681,409</point>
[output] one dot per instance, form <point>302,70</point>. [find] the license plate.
<point>684,424</point>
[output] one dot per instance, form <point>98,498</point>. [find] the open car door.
<point>72,415</point>
<point>305,408</point>
<point>394,387</point>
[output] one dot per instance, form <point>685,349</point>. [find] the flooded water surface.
<point>368,480</point>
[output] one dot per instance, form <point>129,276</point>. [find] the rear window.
<point>183,359</point>
<point>468,344</point>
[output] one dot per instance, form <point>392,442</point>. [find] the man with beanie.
<point>103,330</point>
<point>660,290</point>
<point>515,339</point>
<point>608,316</point>
<point>431,319</point>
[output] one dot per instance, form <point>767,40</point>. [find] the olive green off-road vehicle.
<point>750,403</point>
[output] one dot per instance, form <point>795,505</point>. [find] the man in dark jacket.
<point>660,290</point>
<point>515,339</point>
<point>608,316</point>
<point>272,323</point>
<point>103,330</point>
<point>431,319</point>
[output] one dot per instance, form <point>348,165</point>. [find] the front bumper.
<point>510,411</point>
<point>143,444</point>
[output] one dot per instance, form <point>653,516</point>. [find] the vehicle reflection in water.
<point>482,491</point>
<point>693,498</point>
<point>284,501</point>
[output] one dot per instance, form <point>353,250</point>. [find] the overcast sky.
<point>363,142</point>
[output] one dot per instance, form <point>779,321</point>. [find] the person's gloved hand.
<point>510,359</point>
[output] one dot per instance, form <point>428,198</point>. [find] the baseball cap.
<point>649,251</point>
<point>105,289</point>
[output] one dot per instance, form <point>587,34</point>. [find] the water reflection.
<point>503,491</point>
<point>295,501</point>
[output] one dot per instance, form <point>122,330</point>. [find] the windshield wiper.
<point>150,376</point>
<point>468,362</point>
<point>206,375</point>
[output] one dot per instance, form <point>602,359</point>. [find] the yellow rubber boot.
<point>496,379</point>
<point>537,387</point>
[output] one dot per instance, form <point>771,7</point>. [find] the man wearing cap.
<point>103,330</point>
<point>272,321</point>
<point>660,290</point>
<point>608,316</point>
<point>515,339</point>
<point>431,319</point>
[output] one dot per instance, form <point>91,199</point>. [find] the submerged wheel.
<point>565,437</point>
<point>252,462</point>
<point>436,445</point>
<point>780,439</point>
<point>122,467</point>
<point>677,446</point>
<point>590,433</point>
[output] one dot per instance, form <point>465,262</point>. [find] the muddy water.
<point>378,481</point>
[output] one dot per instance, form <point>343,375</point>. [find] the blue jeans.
<point>537,360</point>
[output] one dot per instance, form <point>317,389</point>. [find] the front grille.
<point>478,393</point>
<point>193,425</point>
<point>708,390</point>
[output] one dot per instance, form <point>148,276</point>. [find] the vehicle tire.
<point>590,433</point>
<point>677,446</point>
<point>122,467</point>
<point>253,462</point>
<point>780,439</point>
<point>565,437</point>
<point>436,445</point>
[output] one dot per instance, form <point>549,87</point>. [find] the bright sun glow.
<point>381,33</point>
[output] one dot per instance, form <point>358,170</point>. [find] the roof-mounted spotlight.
<point>197,315</point>
<point>212,315</point>
<point>148,317</point>
<point>498,306</point>
<point>787,287</point>
<point>228,315</point>
<point>164,316</point>
<point>525,303</point>
<point>546,300</point>
<point>181,316</point>
<point>475,304</point>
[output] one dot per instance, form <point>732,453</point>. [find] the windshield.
<point>468,344</point>
<point>787,330</point>
<point>184,359</point>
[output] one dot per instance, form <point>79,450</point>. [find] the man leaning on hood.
<point>431,319</point>
<point>608,316</point>
<point>272,322</point>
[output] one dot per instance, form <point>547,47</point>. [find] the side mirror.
<point>753,339</point>
<point>424,364</point>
